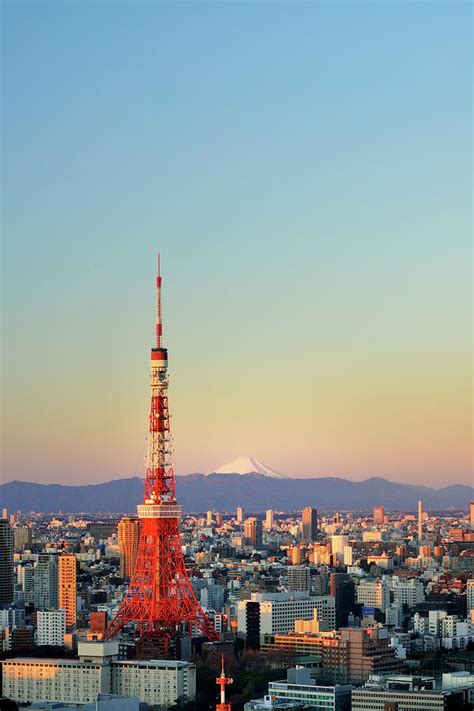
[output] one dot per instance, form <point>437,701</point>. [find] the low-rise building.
<point>301,688</point>
<point>407,693</point>
<point>97,671</point>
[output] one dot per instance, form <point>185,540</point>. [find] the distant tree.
<point>8,705</point>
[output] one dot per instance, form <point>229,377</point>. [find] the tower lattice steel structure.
<point>160,599</point>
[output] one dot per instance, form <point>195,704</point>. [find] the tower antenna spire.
<point>159,322</point>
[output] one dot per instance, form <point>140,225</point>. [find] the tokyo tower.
<point>160,599</point>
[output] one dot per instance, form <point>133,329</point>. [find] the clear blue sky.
<point>305,170</point>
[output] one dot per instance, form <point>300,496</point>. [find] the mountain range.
<point>225,491</point>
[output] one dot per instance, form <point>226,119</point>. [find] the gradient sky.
<point>305,170</point>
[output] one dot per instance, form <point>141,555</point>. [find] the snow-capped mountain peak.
<point>247,465</point>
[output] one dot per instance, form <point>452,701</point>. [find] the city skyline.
<point>316,267</point>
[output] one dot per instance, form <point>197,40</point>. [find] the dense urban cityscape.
<point>313,610</point>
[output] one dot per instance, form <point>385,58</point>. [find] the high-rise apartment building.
<point>23,537</point>
<point>25,575</point>
<point>379,515</point>
<point>269,520</point>
<point>470,596</point>
<point>299,578</point>
<point>51,627</point>
<point>240,514</point>
<point>67,591</point>
<point>253,532</point>
<point>6,562</point>
<point>338,543</point>
<point>128,540</point>
<point>45,581</point>
<point>209,517</point>
<point>309,524</point>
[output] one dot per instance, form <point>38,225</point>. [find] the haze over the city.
<point>306,175</point>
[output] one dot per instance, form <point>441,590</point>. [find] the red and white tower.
<point>160,599</point>
<point>223,681</point>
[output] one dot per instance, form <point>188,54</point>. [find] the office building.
<point>269,520</point>
<point>51,627</point>
<point>253,532</point>
<point>342,588</point>
<point>6,562</point>
<point>406,693</point>
<point>407,592</point>
<point>45,582</point>
<point>309,524</point>
<point>300,687</point>
<point>374,593</point>
<point>128,540</point>
<point>274,613</point>
<point>209,517</point>
<point>378,515</point>
<point>240,514</point>
<point>67,590</point>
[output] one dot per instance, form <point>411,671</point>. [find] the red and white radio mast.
<point>223,681</point>
<point>160,599</point>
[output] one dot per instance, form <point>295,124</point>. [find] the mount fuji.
<point>247,465</point>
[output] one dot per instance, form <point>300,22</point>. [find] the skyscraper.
<point>253,532</point>
<point>6,562</point>
<point>472,514</point>
<point>420,521</point>
<point>379,515</point>
<point>128,540</point>
<point>309,527</point>
<point>67,592</point>
<point>240,514</point>
<point>269,519</point>
<point>342,588</point>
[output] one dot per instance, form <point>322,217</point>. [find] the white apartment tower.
<point>51,627</point>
